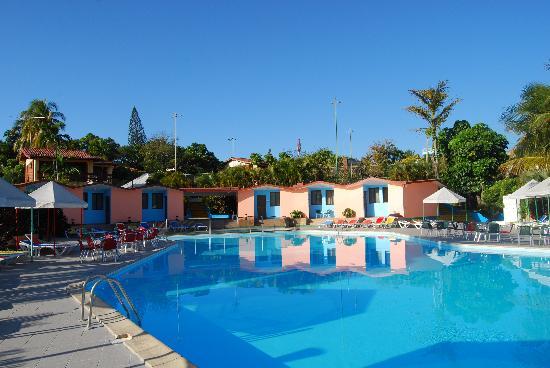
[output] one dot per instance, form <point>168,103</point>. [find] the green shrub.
<point>296,214</point>
<point>348,213</point>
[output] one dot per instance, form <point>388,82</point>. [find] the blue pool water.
<point>313,301</point>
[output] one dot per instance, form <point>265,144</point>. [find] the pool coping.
<point>156,354</point>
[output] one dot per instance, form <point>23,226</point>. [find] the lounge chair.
<point>403,224</point>
<point>176,226</point>
<point>525,231</point>
<point>326,224</point>
<point>469,228</point>
<point>390,222</point>
<point>426,227</point>
<point>493,230</point>
<point>200,227</point>
<point>340,223</point>
<point>37,246</point>
<point>366,223</point>
<point>351,223</point>
<point>544,235</point>
<point>379,222</point>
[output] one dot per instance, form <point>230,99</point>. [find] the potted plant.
<point>348,213</point>
<point>299,217</point>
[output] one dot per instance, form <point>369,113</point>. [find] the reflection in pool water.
<point>310,301</point>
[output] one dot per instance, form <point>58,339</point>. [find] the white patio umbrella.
<point>12,197</point>
<point>54,195</point>
<point>522,192</point>
<point>540,190</point>
<point>444,196</point>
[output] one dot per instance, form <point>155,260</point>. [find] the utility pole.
<point>232,140</point>
<point>335,102</point>
<point>175,115</point>
<point>350,155</point>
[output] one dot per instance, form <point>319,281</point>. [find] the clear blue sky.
<point>265,71</point>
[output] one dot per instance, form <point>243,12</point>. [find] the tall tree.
<point>530,119</point>
<point>196,159</point>
<point>136,133</point>
<point>106,148</point>
<point>434,109</point>
<point>476,155</point>
<point>40,125</point>
<point>379,159</point>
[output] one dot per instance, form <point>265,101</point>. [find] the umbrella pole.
<point>48,224</point>
<point>17,229</point>
<point>466,209</point>
<point>54,215</point>
<point>528,211</point>
<point>81,222</point>
<point>453,213</point>
<point>32,230</point>
<point>536,211</point>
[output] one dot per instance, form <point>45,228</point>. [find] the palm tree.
<point>435,110</point>
<point>41,125</point>
<point>530,119</point>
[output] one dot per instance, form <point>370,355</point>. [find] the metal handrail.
<point>116,286</point>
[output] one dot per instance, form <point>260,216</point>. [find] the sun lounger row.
<point>375,222</point>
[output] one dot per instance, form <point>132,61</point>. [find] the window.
<point>316,197</point>
<point>385,194</point>
<point>158,201</point>
<point>85,198</point>
<point>274,199</point>
<point>97,201</point>
<point>144,201</point>
<point>330,197</point>
<point>374,195</point>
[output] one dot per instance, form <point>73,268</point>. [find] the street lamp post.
<point>350,154</point>
<point>175,116</point>
<point>335,102</point>
<point>232,140</point>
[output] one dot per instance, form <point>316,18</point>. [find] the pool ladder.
<point>118,291</point>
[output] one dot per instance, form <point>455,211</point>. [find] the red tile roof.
<point>50,153</point>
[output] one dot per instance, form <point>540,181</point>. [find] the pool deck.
<point>40,322</point>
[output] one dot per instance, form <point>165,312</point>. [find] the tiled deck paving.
<point>40,323</point>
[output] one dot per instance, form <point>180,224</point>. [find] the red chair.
<point>127,238</point>
<point>139,238</point>
<point>109,246</point>
<point>90,249</point>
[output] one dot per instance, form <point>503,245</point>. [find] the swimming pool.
<point>296,300</point>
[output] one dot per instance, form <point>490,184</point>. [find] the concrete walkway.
<point>40,323</point>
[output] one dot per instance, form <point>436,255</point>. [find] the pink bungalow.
<point>109,204</point>
<point>371,197</point>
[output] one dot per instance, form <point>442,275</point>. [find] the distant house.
<point>239,161</point>
<point>40,161</point>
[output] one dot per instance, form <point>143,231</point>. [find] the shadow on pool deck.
<point>474,354</point>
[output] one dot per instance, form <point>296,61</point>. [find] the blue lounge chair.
<point>201,227</point>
